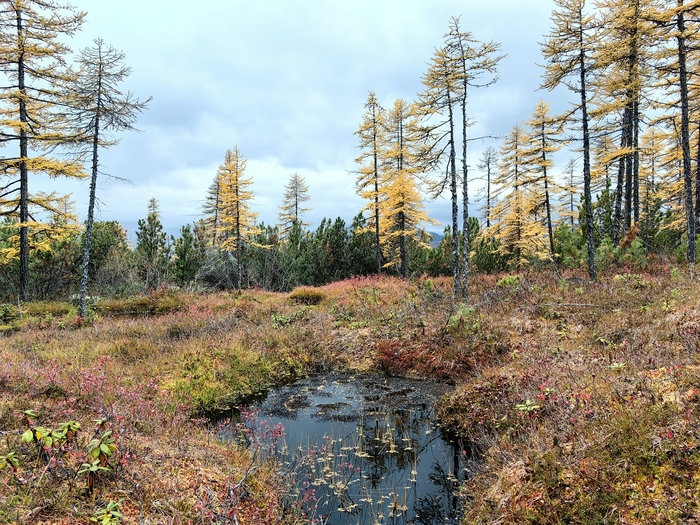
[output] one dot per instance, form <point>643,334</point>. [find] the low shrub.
<point>142,304</point>
<point>509,281</point>
<point>49,308</point>
<point>306,295</point>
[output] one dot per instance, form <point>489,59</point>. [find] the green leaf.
<point>28,436</point>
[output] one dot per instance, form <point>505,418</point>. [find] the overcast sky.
<point>285,81</point>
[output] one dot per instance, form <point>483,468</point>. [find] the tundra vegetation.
<point>568,322</point>
<point>579,400</point>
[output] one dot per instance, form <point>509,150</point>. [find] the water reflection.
<point>365,450</point>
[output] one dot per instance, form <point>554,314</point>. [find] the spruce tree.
<point>152,248</point>
<point>369,177</point>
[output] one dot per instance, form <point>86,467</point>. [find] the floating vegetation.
<point>365,450</point>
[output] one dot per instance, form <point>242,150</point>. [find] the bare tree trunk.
<point>586,162</point>
<point>452,169</point>
<point>466,241</point>
<point>685,134</point>
<point>23,174</point>
<point>91,203</point>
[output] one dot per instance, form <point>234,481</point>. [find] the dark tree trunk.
<point>466,241</point>
<point>697,184</point>
<point>403,252</point>
<point>628,170</point>
<point>452,169</point>
<point>550,232</point>
<point>91,203</point>
<point>623,183</point>
<point>586,160</point>
<point>23,174</point>
<point>685,134</point>
<point>633,98</point>
<point>635,161</point>
<point>488,196</point>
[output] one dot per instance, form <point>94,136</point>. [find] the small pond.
<point>365,449</point>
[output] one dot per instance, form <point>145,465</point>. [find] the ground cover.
<point>580,401</point>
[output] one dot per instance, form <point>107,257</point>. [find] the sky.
<point>286,82</point>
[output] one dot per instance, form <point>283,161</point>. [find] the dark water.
<point>365,450</point>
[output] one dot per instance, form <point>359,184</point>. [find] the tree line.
<point>631,66</point>
<point>630,191</point>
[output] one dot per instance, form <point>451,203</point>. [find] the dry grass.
<point>580,399</point>
<point>593,417</point>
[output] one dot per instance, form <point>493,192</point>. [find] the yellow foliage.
<point>236,220</point>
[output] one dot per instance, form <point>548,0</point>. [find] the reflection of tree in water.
<point>429,510</point>
<point>392,466</point>
<point>389,444</point>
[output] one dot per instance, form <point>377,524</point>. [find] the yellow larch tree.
<point>488,165</point>
<point>236,220</point>
<point>461,64</point>
<point>32,109</point>
<point>651,200</point>
<point>677,42</point>
<point>567,51</point>
<point>402,212</point>
<point>509,217</point>
<point>623,58</point>
<point>369,177</point>
<point>476,66</point>
<point>544,133</point>
<point>437,105</point>
<point>670,173</point>
<point>60,223</point>
<point>570,189</point>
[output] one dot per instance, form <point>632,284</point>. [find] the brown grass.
<point>580,400</point>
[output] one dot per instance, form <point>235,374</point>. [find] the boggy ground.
<point>580,401</point>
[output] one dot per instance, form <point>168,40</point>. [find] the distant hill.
<point>437,237</point>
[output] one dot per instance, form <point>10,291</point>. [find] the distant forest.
<point>631,196</point>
